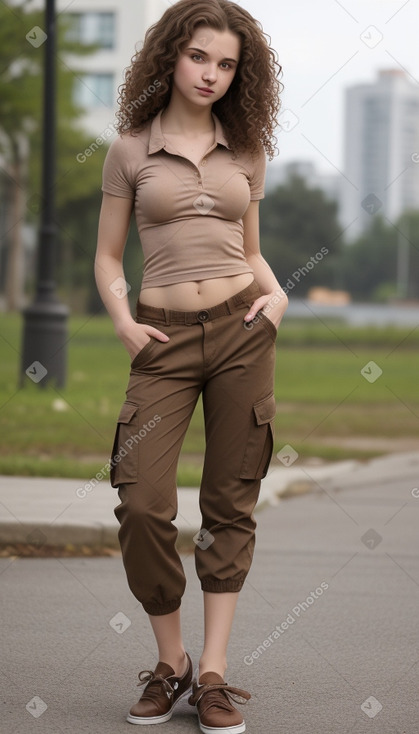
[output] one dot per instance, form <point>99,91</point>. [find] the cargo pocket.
<point>124,455</point>
<point>260,440</point>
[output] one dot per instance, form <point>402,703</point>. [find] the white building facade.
<point>381,151</point>
<point>118,28</point>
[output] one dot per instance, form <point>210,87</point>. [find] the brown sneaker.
<point>161,694</point>
<point>215,712</point>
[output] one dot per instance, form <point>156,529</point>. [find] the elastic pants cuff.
<point>219,585</point>
<point>158,609</point>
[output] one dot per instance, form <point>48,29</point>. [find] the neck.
<point>182,117</point>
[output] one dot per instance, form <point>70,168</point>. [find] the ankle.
<point>212,665</point>
<point>177,661</point>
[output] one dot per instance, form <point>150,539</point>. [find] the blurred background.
<point>339,227</point>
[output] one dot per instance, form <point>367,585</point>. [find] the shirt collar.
<point>157,140</point>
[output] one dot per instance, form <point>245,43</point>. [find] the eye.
<point>226,65</point>
<point>196,56</point>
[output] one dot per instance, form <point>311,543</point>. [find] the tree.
<point>371,260</point>
<point>408,229</point>
<point>19,95</point>
<point>296,223</point>
<point>371,265</point>
<point>78,190</point>
<point>21,63</point>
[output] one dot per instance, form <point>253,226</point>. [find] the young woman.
<point>197,115</point>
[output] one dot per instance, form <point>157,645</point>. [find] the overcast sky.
<point>321,49</point>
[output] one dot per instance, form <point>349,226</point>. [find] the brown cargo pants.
<point>216,353</point>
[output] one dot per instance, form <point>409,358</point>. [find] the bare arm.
<point>114,222</point>
<point>275,300</point>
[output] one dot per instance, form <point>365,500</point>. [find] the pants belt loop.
<point>230,305</point>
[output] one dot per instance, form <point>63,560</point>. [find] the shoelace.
<point>153,691</point>
<point>213,698</point>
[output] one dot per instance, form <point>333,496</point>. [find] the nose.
<point>210,73</point>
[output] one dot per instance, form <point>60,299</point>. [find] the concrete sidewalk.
<point>63,512</point>
<point>325,635</point>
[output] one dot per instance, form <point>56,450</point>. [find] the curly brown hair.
<point>249,109</point>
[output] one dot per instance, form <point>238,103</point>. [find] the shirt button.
<point>204,162</point>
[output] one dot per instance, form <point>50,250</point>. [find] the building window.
<point>94,90</point>
<point>96,28</point>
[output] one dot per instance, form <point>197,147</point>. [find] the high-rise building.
<point>118,28</point>
<point>381,170</point>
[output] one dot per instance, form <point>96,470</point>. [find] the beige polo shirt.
<point>189,218</point>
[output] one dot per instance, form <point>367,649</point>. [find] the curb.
<point>42,534</point>
<point>38,512</point>
<point>99,535</point>
<point>46,512</point>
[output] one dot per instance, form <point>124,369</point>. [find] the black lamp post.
<point>45,321</point>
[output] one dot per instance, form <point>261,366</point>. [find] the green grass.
<point>330,332</point>
<point>323,399</point>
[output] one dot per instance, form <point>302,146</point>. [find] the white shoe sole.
<point>238,729</point>
<point>145,720</point>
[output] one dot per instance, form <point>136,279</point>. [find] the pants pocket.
<point>268,324</point>
<point>138,359</point>
<point>124,456</point>
<point>260,441</point>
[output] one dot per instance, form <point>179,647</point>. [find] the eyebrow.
<point>204,53</point>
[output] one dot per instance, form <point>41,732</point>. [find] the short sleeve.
<point>116,174</point>
<point>257,178</point>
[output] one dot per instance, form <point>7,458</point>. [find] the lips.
<point>206,89</point>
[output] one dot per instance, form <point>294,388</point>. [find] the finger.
<point>157,334</point>
<point>255,307</point>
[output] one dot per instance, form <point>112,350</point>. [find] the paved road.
<point>342,661</point>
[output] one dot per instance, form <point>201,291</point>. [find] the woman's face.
<point>206,66</point>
